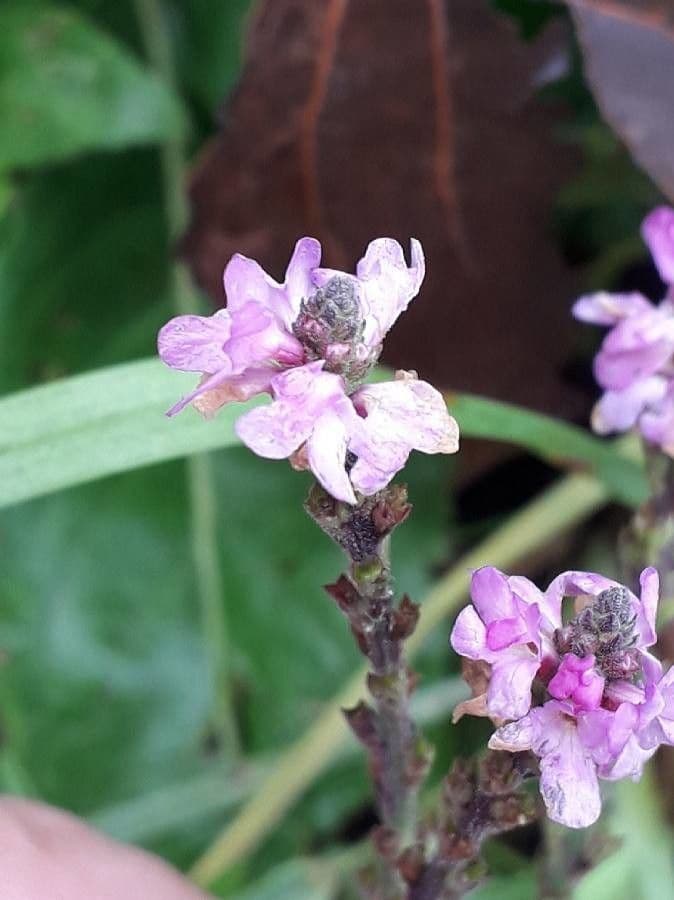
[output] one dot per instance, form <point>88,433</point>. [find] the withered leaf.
<point>404,118</point>
<point>628,52</point>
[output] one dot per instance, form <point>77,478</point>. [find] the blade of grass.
<point>88,426</point>
<point>557,442</point>
<point>561,507</point>
<point>200,481</point>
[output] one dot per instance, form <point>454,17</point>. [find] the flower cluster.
<point>587,697</point>
<point>309,342</point>
<point>635,365</point>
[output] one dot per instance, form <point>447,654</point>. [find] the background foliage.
<point>163,633</point>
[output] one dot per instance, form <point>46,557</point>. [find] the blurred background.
<point>163,635</point>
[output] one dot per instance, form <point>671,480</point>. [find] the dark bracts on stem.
<point>479,800</point>
<point>397,757</point>
<point>438,858</point>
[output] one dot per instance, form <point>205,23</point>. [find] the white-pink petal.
<point>603,308</point>
<point>387,284</point>
<point>509,691</point>
<point>326,453</point>
<point>195,343</point>
<point>469,636</point>
<point>657,231</point>
<point>400,416</point>
<point>620,410</point>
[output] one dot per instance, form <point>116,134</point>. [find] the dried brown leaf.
<point>404,118</point>
<point>628,51</point>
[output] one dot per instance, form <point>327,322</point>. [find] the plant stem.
<point>528,531</point>
<point>200,481</point>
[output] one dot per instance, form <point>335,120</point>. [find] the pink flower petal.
<point>509,691</point>
<point>620,410</point>
<point>400,416</point>
<point>244,280</point>
<point>207,385</point>
<point>298,283</point>
<point>648,606</point>
<point>568,781</point>
<point>388,285</point>
<point>603,308</point>
<point>515,736</point>
<point>577,680</point>
<point>195,343</point>
<point>657,231</point>
<point>491,595</point>
<point>302,394</point>
<point>617,370</point>
<point>506,632</point>
<point>258,337</point>
<point>326,453</point>
<point>469,635</point>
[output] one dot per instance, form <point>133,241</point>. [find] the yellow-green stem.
<point>200,481</point>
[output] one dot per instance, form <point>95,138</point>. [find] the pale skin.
<point>48,854</point>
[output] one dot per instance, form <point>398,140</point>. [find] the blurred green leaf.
<point>642,868</point>
<point>301,879</point>
<point>83,428</point>
<point>105,688</point>
<point>66,87</point>
<point>106,692</point>
<point>209,45</point>
<point>84,258</point>
<point>516,886</point>
<point>557,442</point>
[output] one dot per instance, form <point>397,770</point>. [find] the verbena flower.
<point>635,362</point>
<point>309,342</point>
<point>602,704</point>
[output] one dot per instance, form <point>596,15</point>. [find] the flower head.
<point>309,342</point>
<point>602,704</point>
<point>635,364</point>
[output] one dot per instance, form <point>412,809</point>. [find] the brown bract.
<point>404,118</point>
<point>628,52</point>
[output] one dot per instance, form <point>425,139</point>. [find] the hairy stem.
<point>380,626</point>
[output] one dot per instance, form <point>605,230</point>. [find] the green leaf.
<point>301,879</point>
<point>106,690</point>
<point>66,87</point>
<point>79,429</point>
<point>84,260</point>
<point>209,43</point>
<point>559,443</point>
<point>517,886</point>
<point>642,868</point>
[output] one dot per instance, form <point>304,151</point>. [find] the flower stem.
<point>528,531</point>
<point>200,481</point>
<point>380,627</point>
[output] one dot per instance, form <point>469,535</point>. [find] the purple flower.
<point>568,783</point>
<point>606,706</point>
<point>635,362</point>
<point>577,680</point>
<point>378,424</point>
<point>397,417</point>
<point>510,626</point>
<point>309,342</point>
<point>238,350</point>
